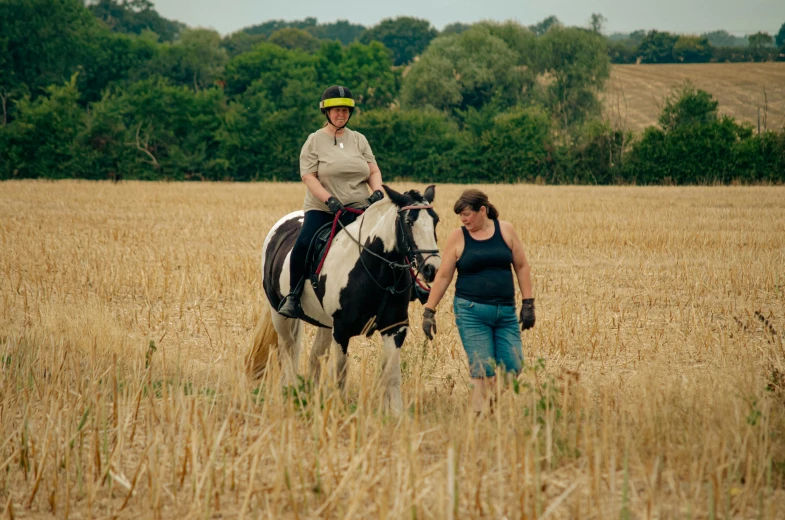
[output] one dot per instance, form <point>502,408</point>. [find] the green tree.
<point>114,149</point>
<point>43,42</point>
<point>577,62</point>
<point>366,69</point>
<point>687,106</point>
<point>760,40</point>
<point>267,28</point>
<point>621,52</point>
<point>341,30</point>
<point>623,47</point>
<point>543,26</point>
<point>518,38</point>
<point>260,139</point>
<point>657,47</point>
<point>597,22</point>
<point>405,36</point>
<point>412,144</point>
<point>276,70</point>
<point>196,59</point>
<point>595,156</point>
<point>134,17</point>
<point>632,39</point>
<point>470,69</point>
<point>455,28</point>
<point>760,45</point>
<point>172,129</point>
<point>693,154</point>
<point>42,140</point>
<point>240,42</point>
<point>694,145</point>
<point>516,149</point>
<point>779,40</point>
<point>723,38</point>
<point>692,49</point>
<point>292,38</point>
<point>113,60</point>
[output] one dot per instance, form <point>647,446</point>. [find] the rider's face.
<point>339,116</point>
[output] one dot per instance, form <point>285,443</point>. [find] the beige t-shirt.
<point>341,168</point>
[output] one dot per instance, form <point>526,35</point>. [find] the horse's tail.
<point>265,338</point>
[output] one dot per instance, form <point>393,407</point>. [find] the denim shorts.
<point>491,337</point>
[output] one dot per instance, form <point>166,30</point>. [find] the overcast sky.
<point>739,17</point>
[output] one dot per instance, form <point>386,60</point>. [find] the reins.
<point>409,260</point>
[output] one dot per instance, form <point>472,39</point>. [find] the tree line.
<point>716,46</point>
<point>113,90</point>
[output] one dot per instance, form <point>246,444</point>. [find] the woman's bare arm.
<point>375,179</point>
<point>519,262</point>
<point>446,271</point>
<point>315,187</point>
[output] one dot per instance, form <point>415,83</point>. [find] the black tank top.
<point>484,270</point>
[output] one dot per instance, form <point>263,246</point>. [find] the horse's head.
<point>416,226</point>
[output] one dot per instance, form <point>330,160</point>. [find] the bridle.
<point>413,257</point>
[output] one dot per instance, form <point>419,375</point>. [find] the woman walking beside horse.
<point>337,166</point>
<point>483,251</point>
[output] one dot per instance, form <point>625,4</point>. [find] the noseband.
<point>413,256</point>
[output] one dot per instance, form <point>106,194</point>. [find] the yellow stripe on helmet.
<point>336,102</point>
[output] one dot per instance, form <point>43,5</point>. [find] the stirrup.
<point>290,306</point>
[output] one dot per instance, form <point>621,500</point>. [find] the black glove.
<point>527,314</point>
<point>376,196</point>
<point>334,205</point>
<point>429,323</point>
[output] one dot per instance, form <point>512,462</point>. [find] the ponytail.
<point>493,213</point>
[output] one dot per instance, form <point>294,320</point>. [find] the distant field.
<point>636,91</point>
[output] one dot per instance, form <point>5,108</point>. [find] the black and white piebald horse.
<point>365,284</point>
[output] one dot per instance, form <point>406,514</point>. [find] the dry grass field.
<point>635,92</point>
<point>654,386</point>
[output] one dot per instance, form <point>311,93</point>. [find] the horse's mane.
<point>378,220</point>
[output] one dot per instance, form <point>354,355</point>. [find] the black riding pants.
<point>313,221</point>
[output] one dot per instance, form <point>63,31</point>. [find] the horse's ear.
<point>430,193</point>
<point>397,198</point>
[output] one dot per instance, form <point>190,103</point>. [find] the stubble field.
<point>654,384</point>
<point>634,93</point>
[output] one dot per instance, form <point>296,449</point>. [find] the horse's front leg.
<point>289,338</point>
<point>391,369</point>
<point>338,358</point>
<point>321,343</point>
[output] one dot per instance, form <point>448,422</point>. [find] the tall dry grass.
<point>653,385</point>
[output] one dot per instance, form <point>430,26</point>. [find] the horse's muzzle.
<point>428,272</point>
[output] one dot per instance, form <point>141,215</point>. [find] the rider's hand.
<point>527,314</point>
<point>334,205</point>
<point>429,323</point>
<point>376,196</point>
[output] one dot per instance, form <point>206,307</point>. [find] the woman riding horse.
<point>365,285</point>
<point>337,166</point>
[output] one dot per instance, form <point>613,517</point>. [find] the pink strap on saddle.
<point>332,234</point>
